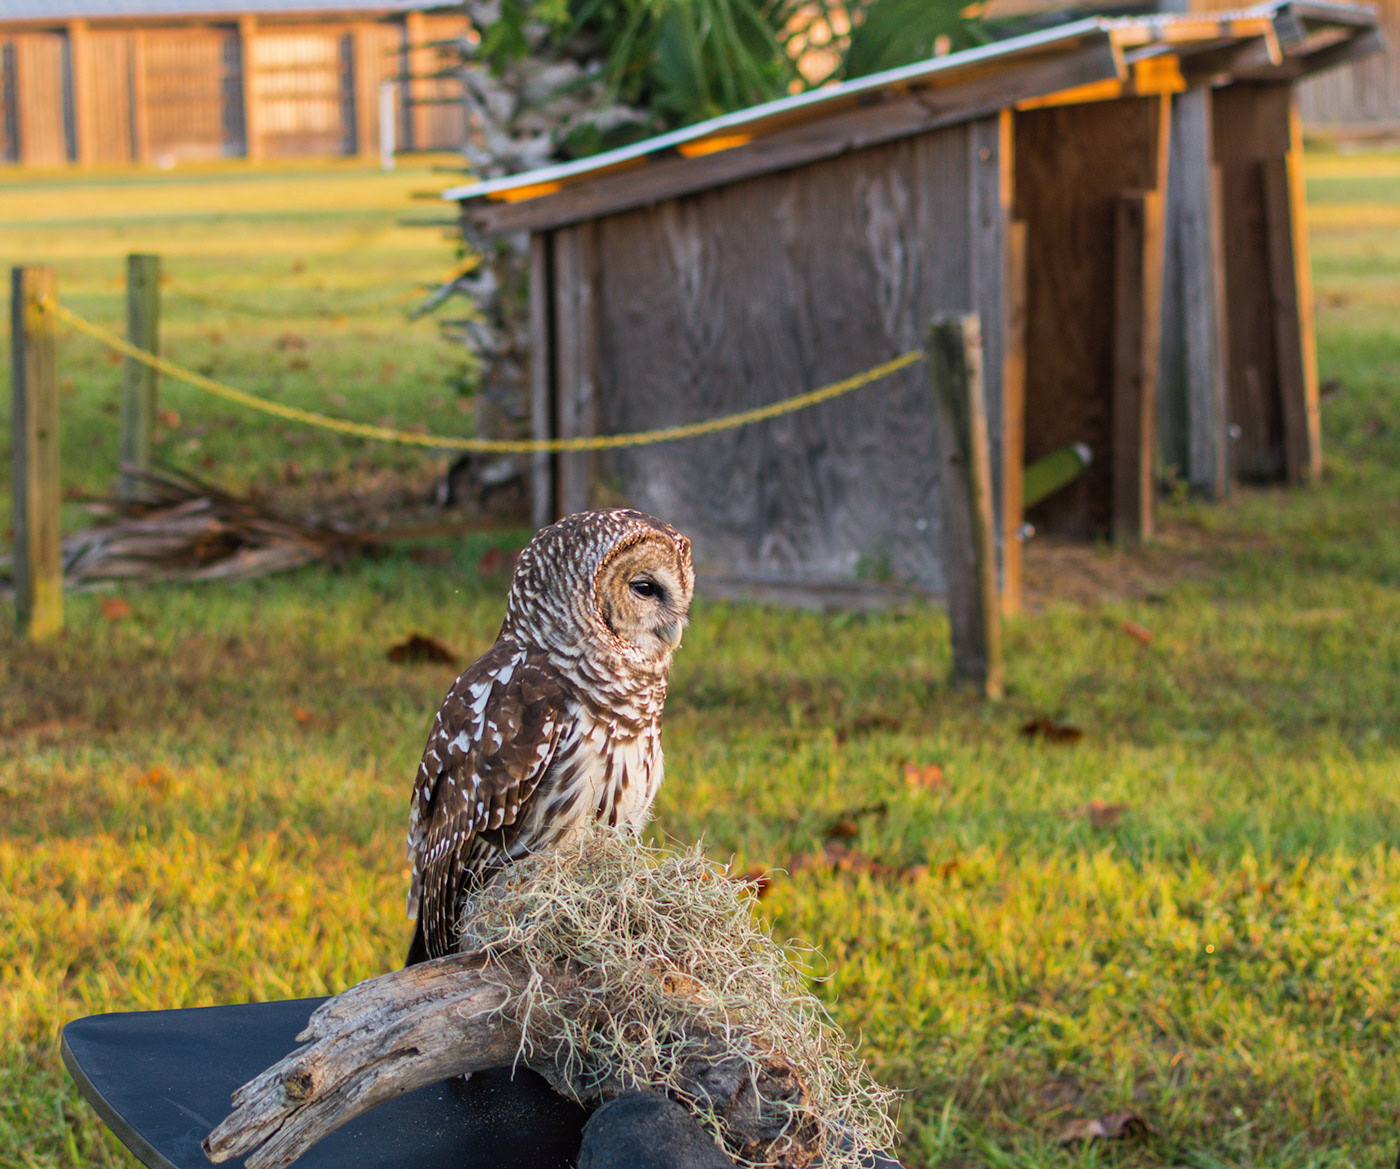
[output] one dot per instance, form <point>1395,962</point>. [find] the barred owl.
<point>557,723</point>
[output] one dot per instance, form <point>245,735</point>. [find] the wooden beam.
<point>1013,420</point>
<point>140,98</point>
<point>38,550</point>
<point>836,134</point>
<point>1136,350</point>
<point>248,76</point>
<point>1290,296</point>
<point>965,492</point>
<point>417,62</point>
<point>575,361</point>
<point>366,95</point>
<point>542,423</point>
<point>83,83</point>
<point>1193,385</point>
<point>139,380</point>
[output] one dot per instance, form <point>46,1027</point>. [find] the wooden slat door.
<point>192,93</point>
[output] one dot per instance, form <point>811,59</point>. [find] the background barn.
<point>165,81</point>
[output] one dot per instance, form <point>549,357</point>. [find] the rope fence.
<point>457,442</point>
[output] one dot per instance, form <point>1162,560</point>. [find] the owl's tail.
<point>418,948</point>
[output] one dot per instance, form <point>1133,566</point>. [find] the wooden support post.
<point>366,96</point>
<point>541,378</point>
<point>575,361</point>
<point>1013,419</point>
<point>140,99</point>
<point>1192,390</point>
<point>1290,296</point>
<point>82,79</point>
<point>1137,312</point>
<point>418,62</point>
<point>248,75</point>
<point>139,379</point>
<point>34,381</point>
<point>965,490</point>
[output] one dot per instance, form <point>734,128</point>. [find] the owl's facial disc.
<point>644,597</point>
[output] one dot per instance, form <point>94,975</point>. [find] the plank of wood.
<point>82,81</point>
<point>836,134</point>
<point>418,62</point>
<point>1013,421</point>
<point>575,361</point>
<point>1072,164</point>
<point>1290,297</point>
<point>248,88</point>
<point>139,381</point>
<point>38,550</point>
<point>542,421</point>
<point>991,175</point>
<point>751,292</point>
<point>1250,127</point>
<point>366,91</point>
<point>965,482</point>
<point>1192,381</point>
<point>141,98</point>
<point>1136,352</point>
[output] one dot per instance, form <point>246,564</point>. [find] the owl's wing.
<point>491,743</point>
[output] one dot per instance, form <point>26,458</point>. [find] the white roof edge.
<point>736,120</point>
<point>739,118</point>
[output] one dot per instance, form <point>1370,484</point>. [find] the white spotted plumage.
<point>559,723</point>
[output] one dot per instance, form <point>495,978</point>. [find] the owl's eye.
<point>648,588</point>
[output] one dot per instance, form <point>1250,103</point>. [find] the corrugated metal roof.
<point>1132,39</point>
<point>33,10</point>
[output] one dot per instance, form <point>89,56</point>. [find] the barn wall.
<point>752,292</point>
<point>113,93</point>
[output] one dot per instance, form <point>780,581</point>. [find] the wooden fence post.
<point>139,379</point>
<point>34,381</point>
<point>965,492</point>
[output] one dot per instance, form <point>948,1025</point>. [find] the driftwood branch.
<point>451,1016</point>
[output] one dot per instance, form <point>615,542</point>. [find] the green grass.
<point>205,802</point>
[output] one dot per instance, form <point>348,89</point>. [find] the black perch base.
<point>160,1080</point>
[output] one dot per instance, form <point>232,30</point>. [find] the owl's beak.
<point>671,632</point>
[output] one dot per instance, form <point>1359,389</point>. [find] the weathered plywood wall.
<point>755,291</point>
<point>1271,365</point>
<point>1074,166</point>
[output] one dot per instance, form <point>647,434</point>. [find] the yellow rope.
<point>495,445</point>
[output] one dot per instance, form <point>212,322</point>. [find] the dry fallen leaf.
<point>761,880</point>
<point>419,647</point>
<point>1139,633</point>
<point>302,715</point>
<point>168,417</point>
<point>842,830</point>
<point>290,341</point>
<point>1051,731</point>
<point>1114,1127</point>
<point>926,777</point>
<point>1100,814</point>
<point>156,779</point>
<point>114,608</point>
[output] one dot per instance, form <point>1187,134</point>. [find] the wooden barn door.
<point>190,90</point>
<point>305,92</point>
<point>38,121</point>
<point>112,60</point>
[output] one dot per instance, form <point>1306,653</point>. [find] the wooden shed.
<point>163,81</point>
<point>746,259</point>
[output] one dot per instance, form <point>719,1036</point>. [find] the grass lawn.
<point>204,802</point>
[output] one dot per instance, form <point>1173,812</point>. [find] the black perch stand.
<point>161,1080</point>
